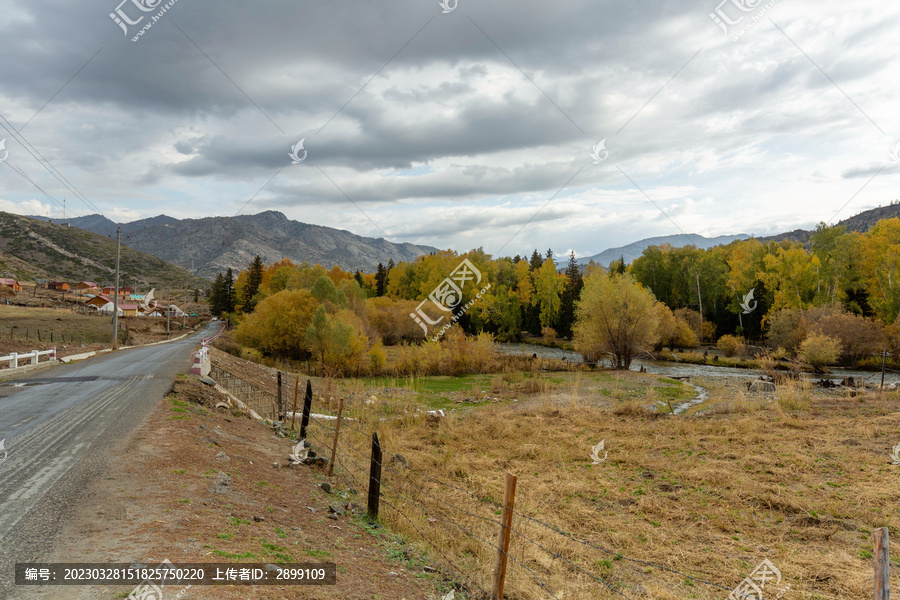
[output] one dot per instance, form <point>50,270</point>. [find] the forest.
<point>835,301</point>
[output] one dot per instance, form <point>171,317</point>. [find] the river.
<point>675,369</point>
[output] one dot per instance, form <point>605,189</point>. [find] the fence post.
<point>375,477</point>
<point>307,405</point>
<point>280,400</point>
<point>337,430</point>
<point>294,408</point>
<point>14,360</point>
<point>882,559</point>
<point>509,497</point>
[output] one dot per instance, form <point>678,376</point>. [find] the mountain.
<point>861,222</point>
<point>211,245</point>
<point>103,226</point>
<point>634,250</point>
<point>33,248</point>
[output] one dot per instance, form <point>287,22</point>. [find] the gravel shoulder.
<point>197,483</point>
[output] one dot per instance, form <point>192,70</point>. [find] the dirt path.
<point>196,487</point>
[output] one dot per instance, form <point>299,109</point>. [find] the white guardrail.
<point>33,357</point>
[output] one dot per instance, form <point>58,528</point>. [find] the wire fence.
<point>457,530</point>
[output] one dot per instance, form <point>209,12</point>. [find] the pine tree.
<point>254,281</point>
<point>571,293</point>
<point>536,261</point>
<point>390,266</point>
<point>358,276</point>
<point>380,280</point>
<point>549,254</point>
<point>516,259</point>
<point>228,297</point>
<point>217,296</point>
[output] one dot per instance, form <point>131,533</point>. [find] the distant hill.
<point>861,222</point>
<point>32,248</point>
<point>213,244</point>
<point>634,250</point>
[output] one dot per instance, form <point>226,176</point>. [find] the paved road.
<point>61,425</point>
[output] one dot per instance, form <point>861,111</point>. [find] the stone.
<point>208,381</point>
<point>332,516</point>
<point>258,518</point>
<point>221,484</point>
<point>338,510</point>
<point>326,487</point>
<point>762,386</point>
<point>276,466</point>
<point>222,456</point>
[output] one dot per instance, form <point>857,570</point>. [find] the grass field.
<point>801,478</point>
<point>19,323</point>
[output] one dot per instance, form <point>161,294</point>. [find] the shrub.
<point>858,336</point>
<point>730,345</point>
<point>549,334</point>
<point>819,350</point>
<point>787,329</point>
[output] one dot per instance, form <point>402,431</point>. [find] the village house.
<point>105,304</point>
<point>83,287</point>
<point>11,283</point>
<point>61,286</point>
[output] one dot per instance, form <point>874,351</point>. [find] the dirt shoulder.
<point>197,484</point>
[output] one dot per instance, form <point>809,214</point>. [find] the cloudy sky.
<point>458,126</point>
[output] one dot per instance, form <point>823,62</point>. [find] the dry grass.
<point>799,479</point>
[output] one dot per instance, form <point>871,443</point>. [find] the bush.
<point>730,345</point>
<point>683,336</point>
<point>858,336</point>
<point>819,350</point>
<point>549,334</point>
<point>787,329</point>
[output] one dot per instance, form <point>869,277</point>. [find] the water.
<point>675,369</point>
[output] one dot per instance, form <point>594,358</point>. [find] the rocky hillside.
<point>31,248</point>
<point>861,222</point>
<point>634,250</point>
<point>213,244</point>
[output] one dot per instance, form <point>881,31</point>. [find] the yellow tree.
<point>792,274</point>
<point>278,324</point>
<point>549,285</point>
<point>616,315</point>
<point>881,260</point>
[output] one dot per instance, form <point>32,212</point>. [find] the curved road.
<point>61,426</point>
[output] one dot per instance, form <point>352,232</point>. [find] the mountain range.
<point>212,245</point>
<point>634,250</point>
<point>33,249</point>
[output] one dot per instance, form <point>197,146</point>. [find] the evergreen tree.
<point>516,259</point>
<point>570,295</point>
<point>380,280</point>
<point>549,254</point>
<point>358,276</point>
<point>254,280</point>
<point>617,267</point>
<point>390,266</point>
<point>228,297</point>
<point>536,261</point>
<point>217,296</point>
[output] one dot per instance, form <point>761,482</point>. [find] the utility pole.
<point>184,312</point>
<point>115,339</point>
<point>168,310</point>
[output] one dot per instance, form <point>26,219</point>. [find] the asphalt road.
<point>61,426</point>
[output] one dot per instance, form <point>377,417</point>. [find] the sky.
<point>571,125</point>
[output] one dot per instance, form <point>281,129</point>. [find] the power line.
<point>19,137</point>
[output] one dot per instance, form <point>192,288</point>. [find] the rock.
<point>276,466</point>
<point>762,386</point>
<point>326,487</point>
<point>338,510</point>
<point>222,456</point>
<point>208,381</point>
<point>332,516</point>
<point>258,518</point>
<point>272,568</point>
<point>311,509</point>
<point>221,484</point>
